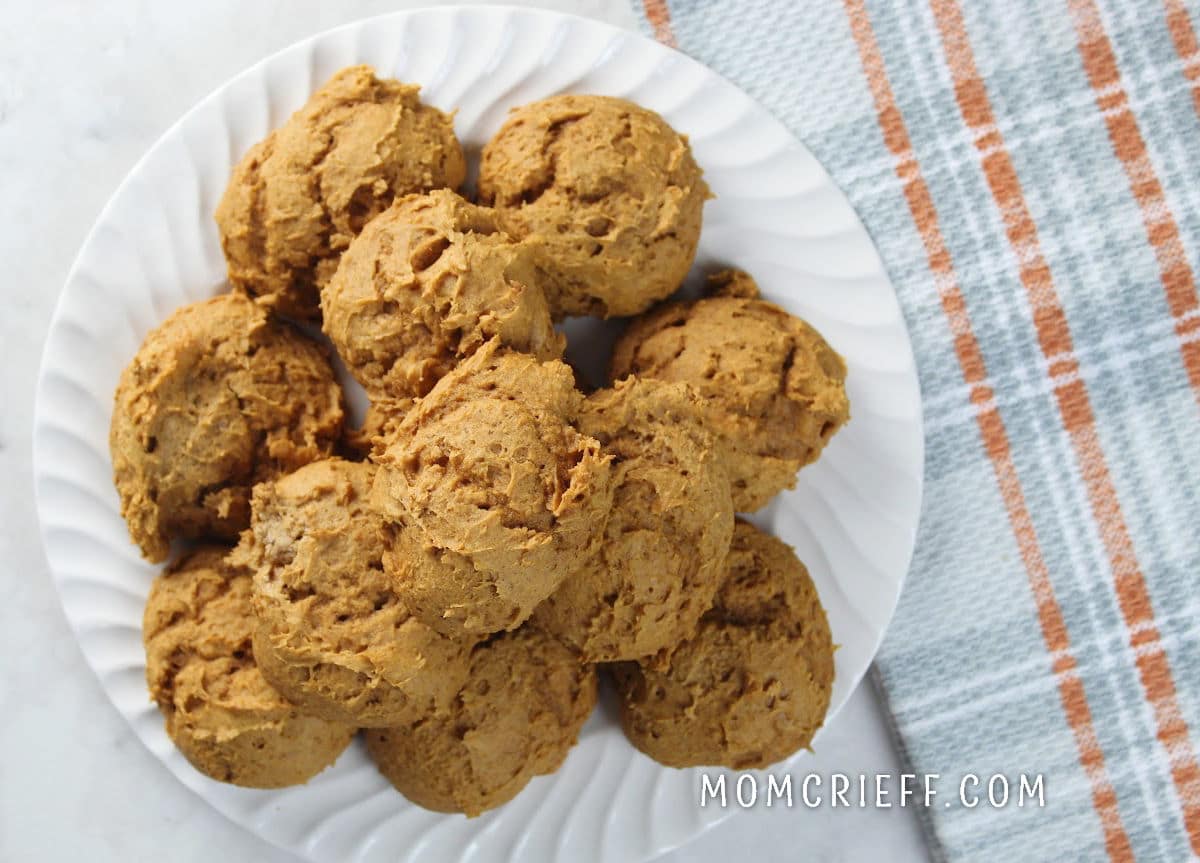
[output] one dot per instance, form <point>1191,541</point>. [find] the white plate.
<point>777,213</point>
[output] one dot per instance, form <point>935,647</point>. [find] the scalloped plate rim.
<point>122,188</point>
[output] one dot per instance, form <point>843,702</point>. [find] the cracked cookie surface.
<point>611,192</point>
<point>333,637</point>
<point>753,684</point>
<point>773,388</point>
<point>299,196</point>
<point>662,557</point>
<point>490,495</point>
<point>518,715</point>
<point>219,709</point>
<point>218,397</point>
<point>424,286</point>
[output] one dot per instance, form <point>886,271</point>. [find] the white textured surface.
<point>81,413</point>
<point>776,213</point>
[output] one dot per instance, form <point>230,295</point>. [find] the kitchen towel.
<point>1030,172</point>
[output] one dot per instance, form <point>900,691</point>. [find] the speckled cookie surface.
<point>216,399</point>
<point>219,709</point>
<point>612,191</point>
<point>753,685</point>
<point>490,496</point>
<point>518,715</point>
<point>774,388</point>
<point>663,553</point>
<point>333,637</point>
<point>301,194</point>
<point>424,286</point>
<point>383,417</point>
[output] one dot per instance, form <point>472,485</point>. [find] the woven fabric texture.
<point>1030,173</point>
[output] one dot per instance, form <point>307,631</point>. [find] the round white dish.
<point>852,518</point>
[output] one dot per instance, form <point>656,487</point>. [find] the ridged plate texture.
<point>852,518</point>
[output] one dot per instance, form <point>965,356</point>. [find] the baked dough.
<point>382,418</point>
<point>300,195</point>
<point>663,553</point>
<point>216,399</point>
<point>453,590</point>
<point>333,637</point>
<point>517,717</point>
<point>611,191</point>
<point>774,389</point>
<point>219,709</point>
<point>490,495</point>
<point>423,286</point>
<point>753,684</point>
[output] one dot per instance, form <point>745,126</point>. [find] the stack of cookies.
<point>451,575</point>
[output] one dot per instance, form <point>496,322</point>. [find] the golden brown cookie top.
<point>526,680</point>
<point>753,684</point>
<point>313,544</point>
<point>773,387</point>
<point>519,713</point>
<point>424,286</point>
<point>217,398</point>
<point>491,449</point>
<point>220,710</point>
<point>496,494</point>
<point>609,188</point>
<point>766,587</point>
<point>200,666</point>
<point>383,417</point>
<point>732,283</point>
<point>301,194</point>
<point>337,639</point>
<point>663,553</point>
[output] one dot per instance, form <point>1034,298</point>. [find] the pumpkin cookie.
<point>753,684</point>
<point>424,286</point>
<point>332,635</point>
<point>218,398</point>
<point>219,709</point>
<point>382,418</point>
<point>663,553</point>
<point>518,715</point>
<point>773,388</point>
<point>300,195</point>
<point>611,191</point>
<point>490,495</point>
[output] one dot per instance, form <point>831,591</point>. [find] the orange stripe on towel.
<point>994,435</point>
<point>659,17</point>
<point>1078,418</point>
<point>1179,25</point>
<point>1179,282</point>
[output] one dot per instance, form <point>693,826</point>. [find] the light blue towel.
<point>1031,175</point>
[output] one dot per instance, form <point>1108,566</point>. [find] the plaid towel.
<point>1030,172</point>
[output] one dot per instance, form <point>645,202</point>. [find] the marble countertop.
<point>85,88</point>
